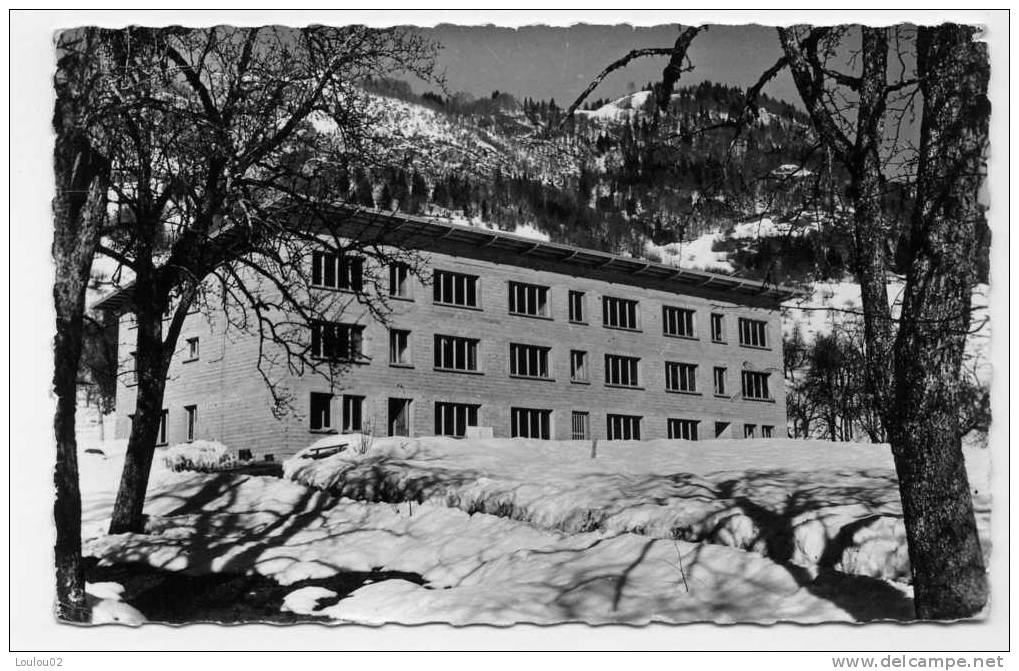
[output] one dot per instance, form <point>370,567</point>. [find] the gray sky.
<point>545,62</point>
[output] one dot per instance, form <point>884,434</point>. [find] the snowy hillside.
<point>437,143</point>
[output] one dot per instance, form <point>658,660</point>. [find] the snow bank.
<point>475,568</point>
<point>199,455</point>
<point>791,500</point>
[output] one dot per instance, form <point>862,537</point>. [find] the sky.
<point>556,62</point>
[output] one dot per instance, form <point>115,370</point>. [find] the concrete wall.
<point>235,407</point>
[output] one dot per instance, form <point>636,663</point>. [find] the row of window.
<point>463,290</point>
<point>457,353</point>
<point>453,419</point>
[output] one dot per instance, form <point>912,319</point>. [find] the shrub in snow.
<point>201,455</point>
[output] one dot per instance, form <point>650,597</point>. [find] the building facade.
<point>510,335</point>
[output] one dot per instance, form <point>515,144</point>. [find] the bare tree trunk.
<point>82,177</point>
<point>128,508</point>
<point>153,360</point>
<point>870,230</point>
<point>944,549</point>
<point>861,156</point>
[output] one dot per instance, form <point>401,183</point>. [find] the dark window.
<point>721,428</point>
<point>320,412</point>
<point>767,431</point>
<point>621,370</point>
<point>578,307</point>
<point>719,373</point>
<point>244,454</point>
<point>755,385</point>
<point>455,289</point>
<point>749,430</point>
<point>161,438</point>
<point>753,333</point>
<point>399,280</point>
<point>134,367</point>
<point>529,360</point>
<point>530,423</point>
<point>717,328</point>
<point>619,313</point>
<point>682,429</point>
<point>455,353</point>
<point>192,347</point>
<point>680,376</point>
<point>192,424</point>
<point>452,419</point>
<point>578,366</point>
<point>352,412</point>
<point>581,425</point>
<point>399,417</point>
<point>677,322</point>
<point>399,347</point>
<point>623,427</point>
<point>337,271</point>
<point>336,342</point>
<point>528,299</point>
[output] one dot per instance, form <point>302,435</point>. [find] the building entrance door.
<point>399,417</point>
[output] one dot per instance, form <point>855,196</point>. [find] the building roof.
<point>432,233</point>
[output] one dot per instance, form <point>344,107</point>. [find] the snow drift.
<point>814,504</point>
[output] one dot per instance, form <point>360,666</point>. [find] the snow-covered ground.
<point>816,504</point>
<point>545,564</point>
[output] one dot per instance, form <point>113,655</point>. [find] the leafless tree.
<point>82,173</point>
<point>913,376</point>
<point>225,147</point>
<point>944,549</point>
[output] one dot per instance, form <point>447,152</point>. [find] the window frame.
<point>718,374</point>
<point>682,429</point>
<point>438,288</point>
<point>191,430</point>
<point>618,302</point>
<point>354,336</point>
<point>471,353</point>
<point>624,424</point>
<point>347,265</point>
<point>680,317</point>
<point>584,418</point>
<point>541,298</point>
<point>395,269</point>
<point>525,417</point>
<point>719,335</point>
<point>633,368</point>
<point>580,367</point>
<point>543,362</point>
<point>576,301</point>
<point>472,410</point>
<point>761,380</point>
<point>407,360</point>
<point>314,418</point>
<point>348,403</point>
<point>679,375</point>
<point>752,328</point>
<point>193,353</point>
